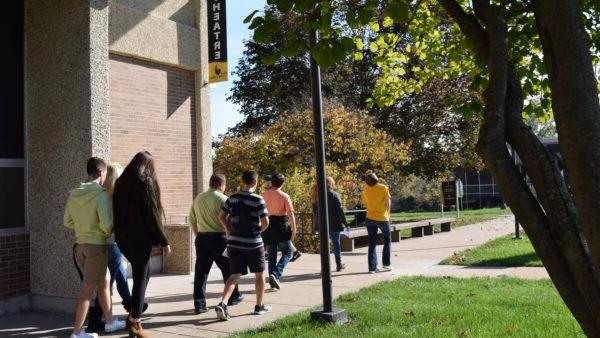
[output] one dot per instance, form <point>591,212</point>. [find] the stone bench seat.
<point>360,236</point>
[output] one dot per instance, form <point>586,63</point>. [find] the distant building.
<point>480,189</point>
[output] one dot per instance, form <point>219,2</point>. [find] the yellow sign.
<point>217,72</point>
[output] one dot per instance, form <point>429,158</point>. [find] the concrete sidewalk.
<point>170,296</point>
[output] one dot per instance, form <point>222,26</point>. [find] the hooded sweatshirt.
<point>89,213</point>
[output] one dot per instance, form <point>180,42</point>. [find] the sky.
<point>226,114</point>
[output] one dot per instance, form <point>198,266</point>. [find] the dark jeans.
<point>209,249</point>
<point>276,267</point>
<point>372,227</point>
<point>335,240</point>
<point>139,258</point>
<point>118,274</point>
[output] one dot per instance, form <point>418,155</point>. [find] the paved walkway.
<point>170,312</point>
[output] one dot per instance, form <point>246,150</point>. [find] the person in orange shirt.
<point>376,197</point>
<point>282,230</point>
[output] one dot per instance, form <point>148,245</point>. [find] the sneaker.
<point>83,334</point>
<point>235,301</point>
<point>387,268</point>
<point>261,309</point>
<point>222,312</point>
<point>116,325</point>
<point>200,310</point>
<point>274,282</point>
<point>295,255</point>
<point>374,271</point>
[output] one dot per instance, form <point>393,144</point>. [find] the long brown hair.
<point>141,171</point>
<point>314,193</point>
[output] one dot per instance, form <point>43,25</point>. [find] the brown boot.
<point>135,330</point>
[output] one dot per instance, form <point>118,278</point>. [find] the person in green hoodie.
<point>88,212</point>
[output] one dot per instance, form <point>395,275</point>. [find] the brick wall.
<point>152,107</point>
<point>14,265</point>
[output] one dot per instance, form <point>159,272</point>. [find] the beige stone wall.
<point>160,31</point>
<point>67,118</point>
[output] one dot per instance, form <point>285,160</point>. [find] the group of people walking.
<point>116,214</point>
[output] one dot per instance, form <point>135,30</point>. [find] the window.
<point>12,126</point>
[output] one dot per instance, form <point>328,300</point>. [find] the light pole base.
<point>336,316</point>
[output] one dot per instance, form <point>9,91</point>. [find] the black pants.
<point>209,249</point>
<point>139,257</point>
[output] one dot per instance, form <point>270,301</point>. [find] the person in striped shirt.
<point>244,216</point>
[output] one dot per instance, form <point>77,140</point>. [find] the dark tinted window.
<point>12,197</point>
<point>11,81</point>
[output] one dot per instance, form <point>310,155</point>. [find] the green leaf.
<point>387,21</point>
<point>249,17</point>
<point>373,47</point>
<point>348,43</point>
<point>263,34</point>
<point>358,56</point>
<point>271,58</point>
<point>375,27</point>
<point>364,16</point>
<point>358,42</point>
<point>397,10</point>
<point>256,22</point>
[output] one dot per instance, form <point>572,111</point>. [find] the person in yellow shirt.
<point>376,198</point>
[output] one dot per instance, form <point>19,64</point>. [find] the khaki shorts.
<point>93,262</point>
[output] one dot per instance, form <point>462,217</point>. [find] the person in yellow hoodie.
<point>88,212</point>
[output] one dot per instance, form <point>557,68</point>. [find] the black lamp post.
<point>328,314</point>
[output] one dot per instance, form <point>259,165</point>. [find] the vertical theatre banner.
<point>217,41</point>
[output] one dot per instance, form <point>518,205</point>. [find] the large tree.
<point>439,138</point>
<point>528,57</point>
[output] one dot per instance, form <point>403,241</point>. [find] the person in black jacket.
<point>138,213</point>
<point>337,219</point>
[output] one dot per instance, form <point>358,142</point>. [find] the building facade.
<point>92,78</point>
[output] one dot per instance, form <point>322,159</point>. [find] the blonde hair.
<point>314,193</point>
<point>113,171</point>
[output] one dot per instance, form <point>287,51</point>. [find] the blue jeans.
<point>276,267</point>
<point>335,240</point>
<point>118,273</point>
<point>372,227</point>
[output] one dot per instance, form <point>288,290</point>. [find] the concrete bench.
<point>418,229</point>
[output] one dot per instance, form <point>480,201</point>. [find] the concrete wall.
<point>67,117</point>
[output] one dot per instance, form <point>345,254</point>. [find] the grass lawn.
<point>441,307</point>
<point>503,251</point>
<point>481,213</point>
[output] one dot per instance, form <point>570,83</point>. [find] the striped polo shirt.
<point>245,210</point>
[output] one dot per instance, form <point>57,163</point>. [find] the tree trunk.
<point>576,108</point>
<point>552,221</point>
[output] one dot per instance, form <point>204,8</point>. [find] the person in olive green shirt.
<point>211,240</point>
<point>88,212</point>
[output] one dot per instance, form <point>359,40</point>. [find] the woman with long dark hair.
<point>138,214</point>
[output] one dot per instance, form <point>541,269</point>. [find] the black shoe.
<point>236,300</point>
<point>95,326</point>
<point>222,312</point>
<point>261,309</point>
<point>201,310</point>
<point>295,255</point>
<point>274,282</point>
